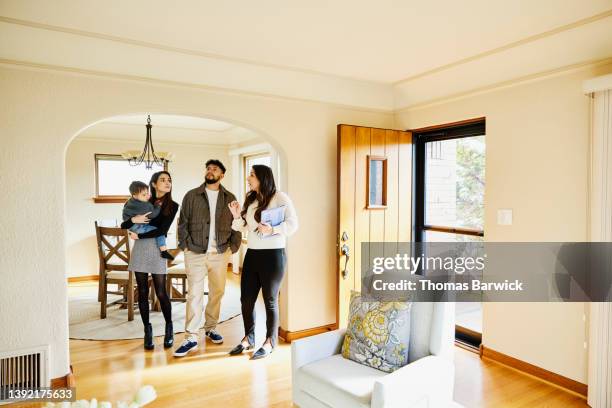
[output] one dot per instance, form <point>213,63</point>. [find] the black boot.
<point>169,336</point>
<point>148,337</point>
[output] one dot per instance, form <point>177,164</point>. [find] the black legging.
<point>159,282</point>
<point>262,269</point>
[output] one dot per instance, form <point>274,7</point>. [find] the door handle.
<point>345,250</point>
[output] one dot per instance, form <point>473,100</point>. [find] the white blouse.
<point>278,237</point>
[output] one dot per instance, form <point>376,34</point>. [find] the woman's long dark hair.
<point>166,201</point>
<point>267,189</point>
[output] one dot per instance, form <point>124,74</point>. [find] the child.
<point>139,204</point>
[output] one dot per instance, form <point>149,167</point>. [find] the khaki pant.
<point>197,266</point>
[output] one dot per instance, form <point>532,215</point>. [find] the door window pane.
<point>454,182</point>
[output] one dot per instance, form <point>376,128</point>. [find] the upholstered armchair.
<point>322,378</point>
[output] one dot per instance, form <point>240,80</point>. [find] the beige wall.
<point>537,140</point>
<point>536,164</point>
<point>43,111</point>
<point>81,212</point>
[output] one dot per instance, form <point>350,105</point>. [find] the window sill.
<point>110,199</point>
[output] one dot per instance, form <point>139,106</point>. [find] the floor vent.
<point>28,368</point>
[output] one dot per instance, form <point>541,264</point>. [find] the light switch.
<point>504,217</point>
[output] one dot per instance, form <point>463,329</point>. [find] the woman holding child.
<point>149,254</point>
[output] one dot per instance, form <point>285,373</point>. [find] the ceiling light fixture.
<point>148,155</point>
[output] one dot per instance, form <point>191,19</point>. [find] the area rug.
<point>85,322</point>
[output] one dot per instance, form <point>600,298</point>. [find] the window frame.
<point>245,170</point>
<point>470,128</point>
<point>419,139</point>
<point>109,199</point>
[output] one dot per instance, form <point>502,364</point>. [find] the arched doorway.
<point>109,137</point>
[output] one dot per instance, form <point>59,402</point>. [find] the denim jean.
<point>142,228</point>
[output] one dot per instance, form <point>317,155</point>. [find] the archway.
<point>236,154</point>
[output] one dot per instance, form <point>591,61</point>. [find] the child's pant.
<point>142,228</point>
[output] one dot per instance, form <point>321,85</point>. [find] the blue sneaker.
<point>214,337</point>
<point>187,346</point>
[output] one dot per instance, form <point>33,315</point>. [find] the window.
<point>449,180</point>
<point>114,175</point>
<point>377,182</point>
<point>249,161</point>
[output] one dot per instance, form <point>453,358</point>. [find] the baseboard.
<point>73,279</point>
<point>66,381</point>
<point>535,371</point>
<point>289,336</point>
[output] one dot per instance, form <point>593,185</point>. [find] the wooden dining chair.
<point>114,255</point>
<point>176,282</point>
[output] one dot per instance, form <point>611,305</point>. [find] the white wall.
<point>187,170</point>
<point>536,164</point>
<point>43,110</point>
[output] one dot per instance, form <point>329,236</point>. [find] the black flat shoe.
<point>239,349</point>
<point>169,336</point>
<point>148,337</point>
<point>261,353</point>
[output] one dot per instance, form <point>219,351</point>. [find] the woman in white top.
<point>265,261</point>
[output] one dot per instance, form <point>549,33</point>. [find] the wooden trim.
<point>548,376</point>
<point>110,199</point>
<point>85,278</point>
<point>454,230</point>
<point>448,125</point>
<point>289,336</point>
<point>67,381</point>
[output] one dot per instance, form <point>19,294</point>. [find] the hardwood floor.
<point>113,370</point>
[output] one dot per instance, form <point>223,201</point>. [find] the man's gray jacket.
<point>194,222</point>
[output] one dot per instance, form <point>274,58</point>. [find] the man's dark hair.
<point>137,186</point>
<point>217,163</point>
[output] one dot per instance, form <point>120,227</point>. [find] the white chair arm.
<point>313,348</point>
<point>426,382</point>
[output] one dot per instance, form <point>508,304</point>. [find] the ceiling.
<point>388,42</point>
<point>170,129</point>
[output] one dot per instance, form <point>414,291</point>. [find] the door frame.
<point>455,130</point>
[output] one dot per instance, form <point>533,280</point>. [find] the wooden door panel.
<point>361,213</point>
<point>346,216</point>
<point>377,216</point>
<point>390,224</point>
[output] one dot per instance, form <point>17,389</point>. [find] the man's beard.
<point>211,180</point>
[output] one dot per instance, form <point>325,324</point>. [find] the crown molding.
<point>70,51</point>
<point>75,52</point>
<point>178,50</point>
<point>582,45</point>
<point>514,44</point>
<point>508,84</point>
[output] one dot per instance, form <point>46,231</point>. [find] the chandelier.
<point>148,156</point>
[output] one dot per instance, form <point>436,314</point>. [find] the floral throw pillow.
<point>378,333</point>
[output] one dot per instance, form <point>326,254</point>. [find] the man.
<point>205,234</point>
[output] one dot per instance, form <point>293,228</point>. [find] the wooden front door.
<point>374,194</point>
